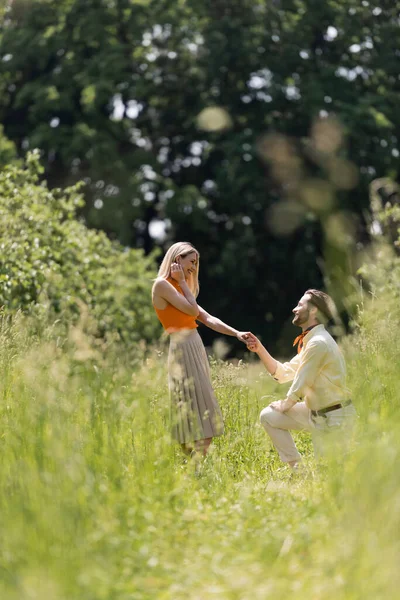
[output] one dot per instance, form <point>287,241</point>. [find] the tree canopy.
<point>250,128</point>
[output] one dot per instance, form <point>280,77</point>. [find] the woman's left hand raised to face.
<point>177,272</point>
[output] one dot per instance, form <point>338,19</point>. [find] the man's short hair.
<point>324,303</point>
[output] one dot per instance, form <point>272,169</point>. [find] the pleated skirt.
<point>195,414</point>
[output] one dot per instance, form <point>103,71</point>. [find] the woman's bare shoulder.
<point>161,287</point>
<point>161,283</point>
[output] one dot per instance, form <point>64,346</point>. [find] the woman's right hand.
<point>177,272</point>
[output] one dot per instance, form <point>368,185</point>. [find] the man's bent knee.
<point>265,416</point>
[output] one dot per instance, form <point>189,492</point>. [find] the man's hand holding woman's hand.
<point>252,342</point>
<point>243,336</point>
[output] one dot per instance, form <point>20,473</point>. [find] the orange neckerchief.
<point>299,339</point>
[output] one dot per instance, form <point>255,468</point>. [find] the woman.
<point>196,416</point>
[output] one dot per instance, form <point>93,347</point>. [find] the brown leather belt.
<point>321,413</point>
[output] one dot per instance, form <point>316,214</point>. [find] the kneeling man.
<point>318,399</point>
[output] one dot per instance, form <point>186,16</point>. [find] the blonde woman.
<point>196,416</point>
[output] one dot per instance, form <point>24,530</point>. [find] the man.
<point>318,399</point>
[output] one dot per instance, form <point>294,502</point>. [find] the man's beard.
<point>300,320</point>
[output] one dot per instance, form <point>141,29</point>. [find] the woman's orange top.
<point>173,319</point>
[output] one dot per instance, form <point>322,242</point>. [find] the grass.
<point>97,504</point>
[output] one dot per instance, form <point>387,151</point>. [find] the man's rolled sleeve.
<point>286,371</point>
<point>310,363</point>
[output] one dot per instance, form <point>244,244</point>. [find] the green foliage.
<point>8,151</point>
<point>96,503</point>
<point>51,261</point>
<point>380,267</point>
<point>116,93</point>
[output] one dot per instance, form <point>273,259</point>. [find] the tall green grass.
<point>96,503</point>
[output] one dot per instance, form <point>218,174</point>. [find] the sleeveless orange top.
<point>173,319</point>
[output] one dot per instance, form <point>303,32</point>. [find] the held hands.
<point>243,336</point>
<point>177,272</point>
<point>252,342</point>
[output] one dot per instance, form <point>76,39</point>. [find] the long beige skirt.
<point>195,414</point>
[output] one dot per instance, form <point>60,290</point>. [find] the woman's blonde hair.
<point>180,249</point>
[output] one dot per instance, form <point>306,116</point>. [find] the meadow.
<point>96,503</point>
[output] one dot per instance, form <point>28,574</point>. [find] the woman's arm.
<point>218,325</point>
<point>163,289</point>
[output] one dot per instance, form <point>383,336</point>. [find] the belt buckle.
<point>316,413</point>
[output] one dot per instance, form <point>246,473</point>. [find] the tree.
<point>302,115</point>
<point>49,259</point>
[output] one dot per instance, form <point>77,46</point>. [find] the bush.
<point>52,263</point>
<point>8,151</point>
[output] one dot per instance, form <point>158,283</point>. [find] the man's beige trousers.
<point>298,418</point>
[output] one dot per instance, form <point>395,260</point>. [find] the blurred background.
<point>258,130</point>
<point>265,132</point>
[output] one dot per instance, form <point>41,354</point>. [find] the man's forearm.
<point>287,404</point>
<point>269,362</point>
